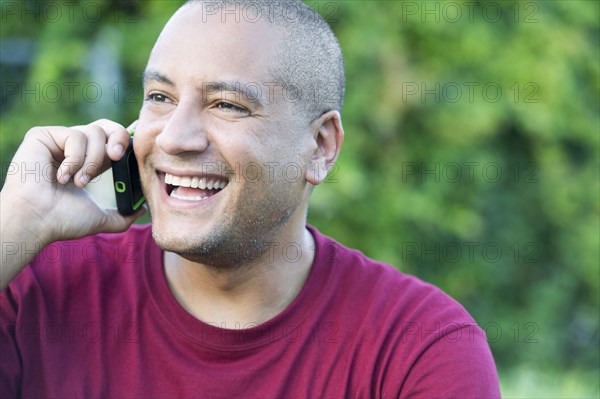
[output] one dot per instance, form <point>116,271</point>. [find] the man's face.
<point>198,129</point>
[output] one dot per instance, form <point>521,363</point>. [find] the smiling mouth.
<point>194,188</point>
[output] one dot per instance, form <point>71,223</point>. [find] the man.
<point>229,293</point>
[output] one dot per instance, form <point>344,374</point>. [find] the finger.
<point>73,143</point>
<point>118,138</point>
<point>107,125</point>
<point>51,138</point>
<point>95,156</point>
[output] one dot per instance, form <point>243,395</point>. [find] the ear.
<point>329,136</point>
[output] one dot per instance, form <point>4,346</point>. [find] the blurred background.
<point>471,156</point>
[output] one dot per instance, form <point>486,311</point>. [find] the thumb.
<point>114,222</point>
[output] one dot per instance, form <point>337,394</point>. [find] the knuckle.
<point>76,159</point>
<point>76,138</point>
<point>95,132</point>
<point>105,124</point>
<point>92,168</point>
<point>36,131</point>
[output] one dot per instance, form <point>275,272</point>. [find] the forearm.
<point>20,238</point>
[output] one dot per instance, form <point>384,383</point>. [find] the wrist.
<point>21,224</point>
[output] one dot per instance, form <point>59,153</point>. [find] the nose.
<point>184,132</point>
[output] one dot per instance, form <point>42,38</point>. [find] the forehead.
<point>206,47</point>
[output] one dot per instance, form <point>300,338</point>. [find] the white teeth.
<point>186,181</point>
<point>194,182</point>
<point>185,197</point>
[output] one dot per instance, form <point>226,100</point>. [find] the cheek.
<point>236,148</point>
<point>143,146</point>
<point>145,138</point>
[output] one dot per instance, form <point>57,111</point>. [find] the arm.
<point>37,209</point>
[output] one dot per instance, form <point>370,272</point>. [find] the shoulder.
<point>421,342</point>
<point>386,288</point>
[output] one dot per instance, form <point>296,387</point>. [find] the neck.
<point>246,295</point>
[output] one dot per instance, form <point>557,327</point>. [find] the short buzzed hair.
<point>309,63</point>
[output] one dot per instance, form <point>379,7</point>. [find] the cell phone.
<point>127,185</point>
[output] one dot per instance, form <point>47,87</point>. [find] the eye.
<point>157,98</point>
<point>229,107</point>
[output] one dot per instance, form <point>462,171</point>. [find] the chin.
<point>174,238</point>
<point>224,241</point>
<point>217,249</point>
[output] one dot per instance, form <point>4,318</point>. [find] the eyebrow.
<point>150,75</point>
<point>244,90</point>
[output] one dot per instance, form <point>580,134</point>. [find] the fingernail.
<point>85,179</point>
<point>118,148</point>
<point>66,177</point>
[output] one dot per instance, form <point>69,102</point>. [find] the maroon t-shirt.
<point>95,318</point>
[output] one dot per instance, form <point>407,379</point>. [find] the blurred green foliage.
<point>471,156</point>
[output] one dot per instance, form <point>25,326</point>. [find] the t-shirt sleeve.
<point>459,364</point>
<point>10,364</point>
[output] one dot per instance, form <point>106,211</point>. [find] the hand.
<point>52,204</point>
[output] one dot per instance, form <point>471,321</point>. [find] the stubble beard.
<point>235,242</point>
